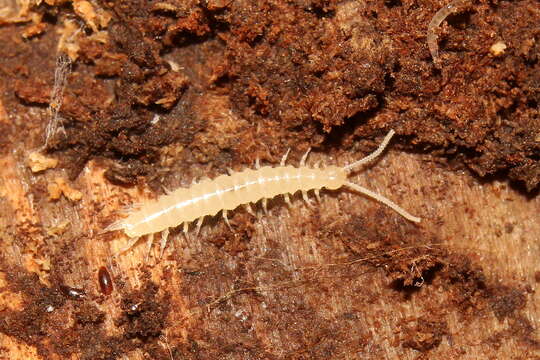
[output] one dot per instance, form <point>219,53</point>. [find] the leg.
<point>249,209</point>
<point>199,224</point>
<point>164,238</point>
<point>384,200</point>
<point>257,164</point>
<point>317,195</point>
<point>284,158</point>
<point>304,158</point>
<point>306,199</point>
<point>265,206</point>
<point>186,229</point>
<point>224,213</point>
<point>287,200</point>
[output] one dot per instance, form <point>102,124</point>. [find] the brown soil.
<point>317,73</point>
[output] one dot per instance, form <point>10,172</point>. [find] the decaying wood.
<point>298,262</point>
<point>201,86</point>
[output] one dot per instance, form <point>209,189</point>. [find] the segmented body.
<point>227,192</point>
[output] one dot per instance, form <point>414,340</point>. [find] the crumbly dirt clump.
<point>300,73</point>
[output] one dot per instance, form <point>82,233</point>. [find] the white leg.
<point>199,224</point>
<point>224,212</point>
<point>287,200</point>
<point>284,158</point>
<point>304,158</point>
<point>318,195</point>
<point>249,209</point>
<point>186,231</point>
<point>306,199</point>
<point>163,244</point>
<point>265,205</point>
<point>257,164</point>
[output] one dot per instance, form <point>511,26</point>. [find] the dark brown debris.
<point>214,84</point>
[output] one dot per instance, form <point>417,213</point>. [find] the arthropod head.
<point>336,177</point>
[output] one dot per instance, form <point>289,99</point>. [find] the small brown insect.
<point>105,281</point>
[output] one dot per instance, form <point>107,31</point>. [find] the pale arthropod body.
<point>227,192</point>
<point>437,19</point>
